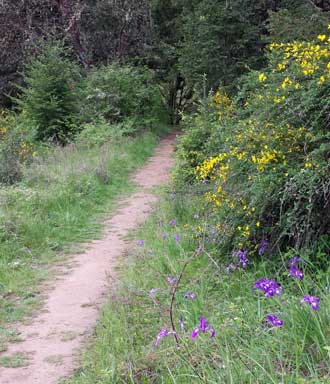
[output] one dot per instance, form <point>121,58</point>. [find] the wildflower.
<point>153,291</point>
<point>190,295</point>
<point>181,323</point>
<point>172,222</point>
<point>150,251</point>
<point>140,243</point>
<point>230,267</point>
<point>321,37</point>
<point>164,235</point>
<point>177,238</point>
<point>263,246</point>
<point>163,333</point>
<point>269,286</point>
<point>262,77</point>
<point>295,272</point>
<point>294,261</point>
<point>196,216</point>
<point>241,255</point>
<point>312,301</point>
<point>274,320</point>
<point>171,280</point>
<point>203,327</point>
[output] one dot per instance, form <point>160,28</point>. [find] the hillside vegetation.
<point>229,280</point>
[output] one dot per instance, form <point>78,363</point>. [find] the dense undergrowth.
<point>229,282</point>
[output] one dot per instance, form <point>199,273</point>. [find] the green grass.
<point>245,349</point>
<point>60,203</point>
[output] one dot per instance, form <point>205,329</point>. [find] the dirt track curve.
<point>53,338</point>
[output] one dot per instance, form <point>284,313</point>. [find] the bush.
<point>266,153</point>
<point>50,101</point>
<point>120,93</point>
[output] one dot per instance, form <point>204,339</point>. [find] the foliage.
<point>130,348</point>
<point>266,167</point>
<point>15,149</point>
<point>119,94</point>
<point>50,101</point>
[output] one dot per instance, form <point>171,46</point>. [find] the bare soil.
<point>52,340</point>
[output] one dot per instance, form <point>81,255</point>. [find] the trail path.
<point>53,338</point>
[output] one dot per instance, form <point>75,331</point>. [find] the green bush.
<point>120,94</point>
<point>265,167</point>
<point>50,101</point>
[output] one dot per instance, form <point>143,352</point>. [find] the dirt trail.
<point>70,312</point>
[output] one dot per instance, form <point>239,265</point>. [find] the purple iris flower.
<point>171,280</point>
<point>140,243</point>
<point>181,323</point>
<point>274,320</point>
<point>262,247</point>
<point>295,260</point>
<point>190,295</point>
<point>295,272</point>
<point>163,333</point>
<point>177,238</point>
<point>172,222</point>
<point>153,291</point>
<point>241,255</point>
<point>269,286</point>
<point>164,235</point>
<point>203,327</point>
<point>312,301</point>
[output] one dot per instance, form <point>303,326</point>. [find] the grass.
<point>245,349</point>
<point>60,203</point>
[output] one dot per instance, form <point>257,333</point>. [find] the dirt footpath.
<point>50,344</point>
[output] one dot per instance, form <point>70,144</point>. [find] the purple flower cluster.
<point>190,295</point>
<point>275,321</point>
<point>263,247</point>
<point>312,301</point>
<point>242,259</point>
<point>203,327</point>
<point>269,286</point>
<point>294,271</point>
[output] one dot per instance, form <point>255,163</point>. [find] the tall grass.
<point>59,203</point>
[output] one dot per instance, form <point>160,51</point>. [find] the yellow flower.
<point>262,77</point>
<point>321,37</point>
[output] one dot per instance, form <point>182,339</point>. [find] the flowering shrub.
<point>265,156</point>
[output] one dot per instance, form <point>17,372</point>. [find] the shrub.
<point>120,93</point>
<point>50,100</point>
<point>266,158</point>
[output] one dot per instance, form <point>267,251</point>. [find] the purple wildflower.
<point>163,333</point>
<point>181,323</point>
<point>312,301</point>
<point>164,235</point>
<point>171,280</point>
<point>190,295</point>
<point>295,272</point>
<point>295,260</point>
<point>241,255</point>
<point>153,291</point>
<point>196,216</point>
<point>140,243</point>
<point>150,251</point>
<point>274,320</point>
<point>203,327</point>
<point>262,247</point>
<point>177,238</point>
<point>231,267</point>
<point>172,222</point>
<point>269,286</point>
